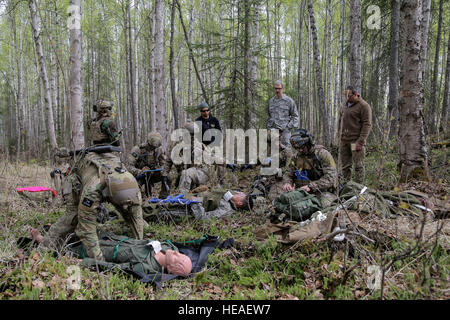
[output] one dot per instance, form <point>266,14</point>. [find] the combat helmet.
<point>103,105</point>
<point>154,139</point>
<point>300,137</point>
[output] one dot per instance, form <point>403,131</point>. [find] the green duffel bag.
<point>297,205</point>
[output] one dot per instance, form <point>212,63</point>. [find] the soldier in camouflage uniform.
<point>96,178</point>
<point>216,203</point>
<point>312,169</point>
<point>271,186</point>
<point>150,156</point>
<point>193,175</point>
<point>282,113</point>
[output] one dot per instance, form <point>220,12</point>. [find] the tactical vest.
<point>96,134</point>
<point>310,169</point>
<point>147,158</point>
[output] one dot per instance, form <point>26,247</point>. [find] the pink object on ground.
<point>37,189</point>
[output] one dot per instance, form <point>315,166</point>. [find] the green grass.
<point>249,270</point>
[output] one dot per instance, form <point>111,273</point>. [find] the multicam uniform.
<point>317,170</point>
<point>96,178</point>
<point>153,158</point>
<point>193,175</point>
<point>272,185</point>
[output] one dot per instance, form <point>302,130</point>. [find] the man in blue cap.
<point>208,122</point>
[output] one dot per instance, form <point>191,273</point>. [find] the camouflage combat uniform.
<point>152,156</point>
<point>283,115</point>
<point>96,178</point>
<point>211,204</point>
<point>272,185</point>
<point>321,173</point>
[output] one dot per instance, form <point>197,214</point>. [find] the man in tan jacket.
<point>355,123</point>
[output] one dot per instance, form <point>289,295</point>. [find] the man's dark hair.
<point>351,88</point>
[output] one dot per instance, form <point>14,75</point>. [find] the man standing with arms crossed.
<point>355,123</point>
<point>283,114</point>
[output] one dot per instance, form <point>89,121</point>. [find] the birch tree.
<point>43,74</point>
<point>76,99</point>
<point>354,62</point>
<point>413,152</point>
<point>319,83</point>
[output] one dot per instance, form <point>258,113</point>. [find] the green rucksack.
<point>297,205</point>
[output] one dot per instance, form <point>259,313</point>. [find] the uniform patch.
<point>87,202</point>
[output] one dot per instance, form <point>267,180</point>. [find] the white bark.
<point>43,74</point>
<point>161,117</point>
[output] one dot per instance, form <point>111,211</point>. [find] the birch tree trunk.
<point>161,118</point>
<point>171,63</point>
<point>355,45</point>
<point>299,67</point>
<point>43,74</point>
<point>413,152</point>
<point>151,81</point>
<point>321,96</point>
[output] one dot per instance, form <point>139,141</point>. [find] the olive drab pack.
<point>118,184</point>
<point>297,205</point>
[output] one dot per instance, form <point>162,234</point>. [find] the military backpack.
<point>297,205</point>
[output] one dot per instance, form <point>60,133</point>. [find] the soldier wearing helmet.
<point>191,175</point>
<point>146,163</point>
<point>97,177</point>
<point>103,129</point>
<point>312,168</point>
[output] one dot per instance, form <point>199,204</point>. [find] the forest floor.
<point>418,267</point>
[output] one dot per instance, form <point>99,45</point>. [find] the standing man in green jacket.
<point>355,123</point>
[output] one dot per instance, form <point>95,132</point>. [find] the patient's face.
<point>178,263</point>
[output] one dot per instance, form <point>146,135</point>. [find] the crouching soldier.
<point>312,169</point>
<point>193,175</point>
<point>146,164</point>
<point>98,177</point>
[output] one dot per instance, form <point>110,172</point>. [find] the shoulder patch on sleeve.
<point>87,202</point>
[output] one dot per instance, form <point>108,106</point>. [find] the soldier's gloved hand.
<point>231,166</point>
<point>164,181</point>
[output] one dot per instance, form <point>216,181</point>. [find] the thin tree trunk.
<point>161,116</point>
<point>355,45</point>
<point>76,109</point>
<point>393,68</point>
<point>446,102</point>
<point>434,101</point>
<point>171,62</point>
<point>299,67</point>
<point>322,106</point>
<point>44,77</point>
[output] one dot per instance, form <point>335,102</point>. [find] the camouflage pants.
<point>348,158</point>
<point>276,188</point>
<point>64,227</point>
<point>191,178</point>
<point>285,136</point>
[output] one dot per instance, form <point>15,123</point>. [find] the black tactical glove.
<point>164,181</point>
